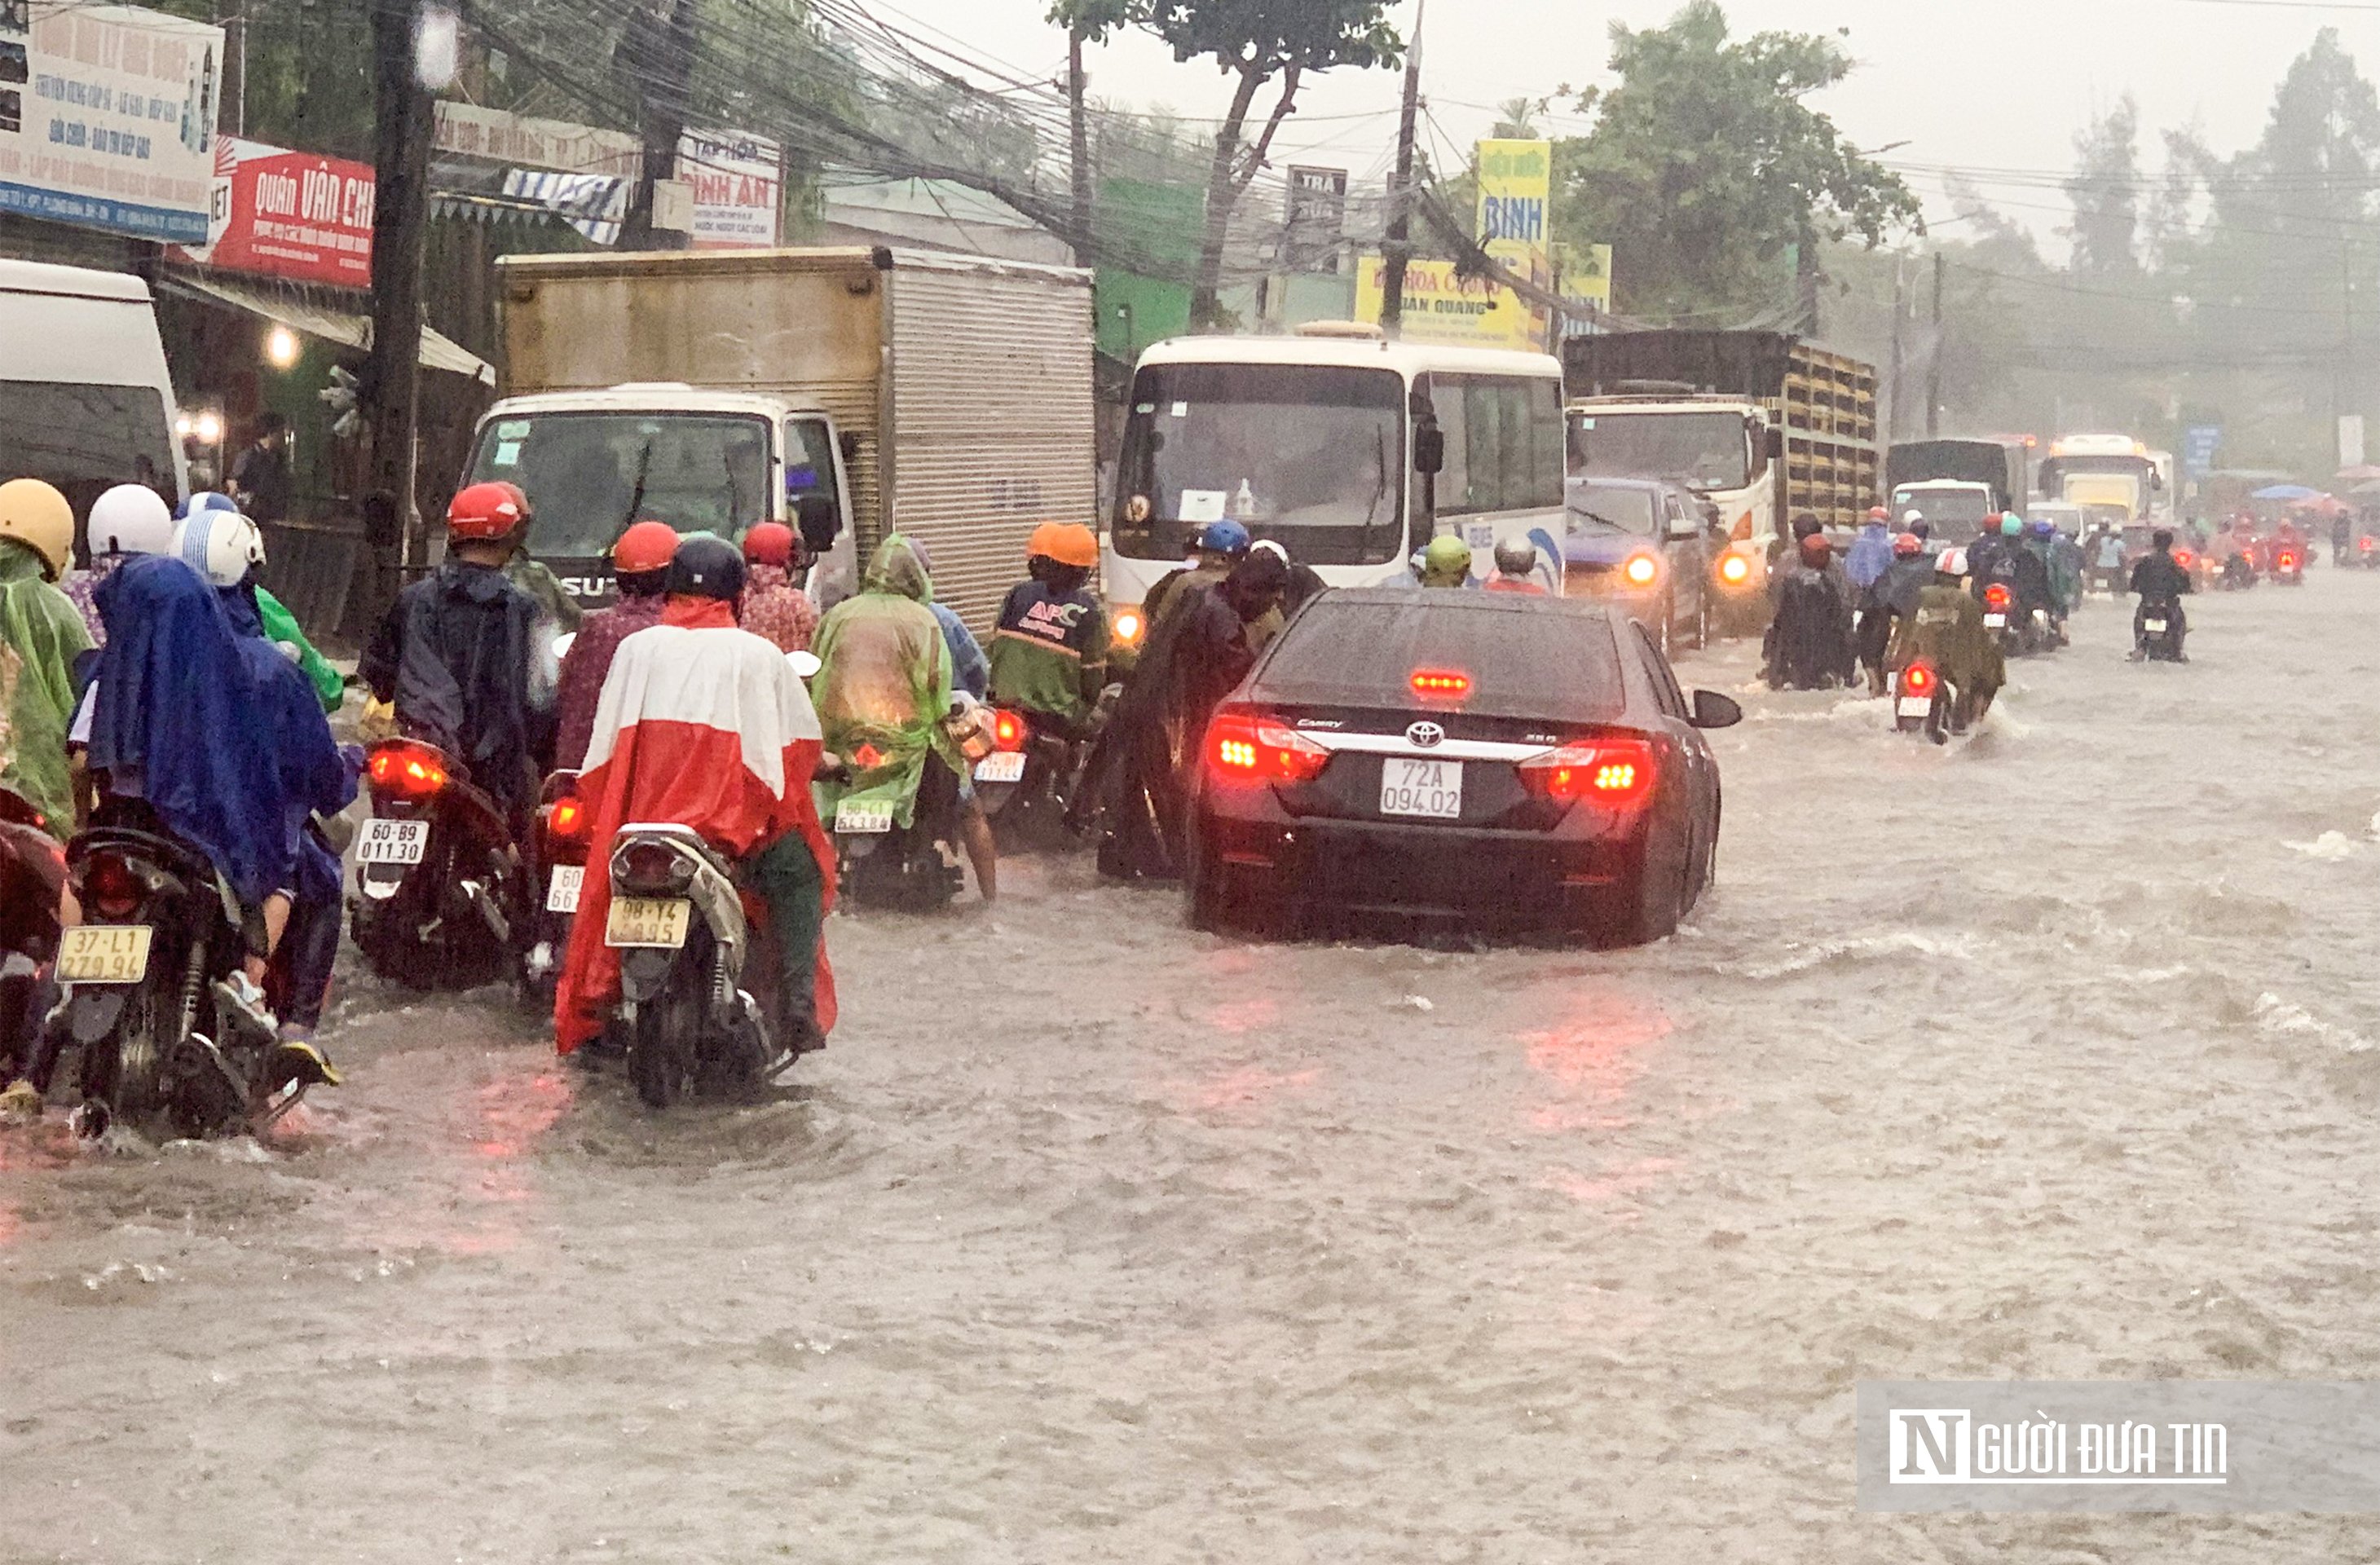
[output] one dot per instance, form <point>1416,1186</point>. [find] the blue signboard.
<point>2199,444</point>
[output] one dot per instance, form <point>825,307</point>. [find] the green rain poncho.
<point>883,685</point>
<point>281,626</point>
<point>41,634</point>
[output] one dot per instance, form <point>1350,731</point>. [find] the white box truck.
<point>85,401</point>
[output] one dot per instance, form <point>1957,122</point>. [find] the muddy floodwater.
<point>2047,1055</point>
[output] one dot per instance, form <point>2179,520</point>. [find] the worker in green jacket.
<point>41,636</point>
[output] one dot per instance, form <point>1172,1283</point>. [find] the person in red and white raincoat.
<point>704,724</point>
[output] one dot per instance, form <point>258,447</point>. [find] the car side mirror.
<point>1430,447</point>
<point>1776,445</point>
<point>1714,711</point>
<point>1685,528</point>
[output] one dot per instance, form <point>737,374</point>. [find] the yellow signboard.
<point>1583,273</point>
<point>1444,309</point>
<point>1515,200</point>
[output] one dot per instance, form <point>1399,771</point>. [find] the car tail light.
<point>1997,598</point>
<point>567,821</point>
<point>404,770</point>
<point>648,867</point>
<point>1641,569</point>
<point>1008,730</point>
<point>112,887</point>
<point>1918,680</point>
<point>1443,684</point>
<point>1616,771</point>
<point>1735,570</point>
<point>1256,749</point>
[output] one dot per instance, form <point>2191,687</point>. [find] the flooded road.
<point>2049,1055</point>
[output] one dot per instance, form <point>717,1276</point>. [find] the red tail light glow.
<point>1008,730</point>
<point>2289,562</point>
<point>1614,771</point>
<point>404,770</point>
<point>2185,559</point>
<point>1440,684</point>
<point>568,820</point>
<point>1918,680</point>
<point>867,758</point>
<point>113,889</point>
<point>1256,749</point>
<point>1997,598</point>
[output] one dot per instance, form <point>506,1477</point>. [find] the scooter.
<point>2367,551</point>
<point>885,863</point>
<point>33,866</point>
<point>1917,692</point>
<point>2239,573</point>
<point>2157,636</point>
<point>442,889</point>
<point>1027,784</point>
<point>2289,568</point>
<point>684,1020</point>
<point>562,830</point>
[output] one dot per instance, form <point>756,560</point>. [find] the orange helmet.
<point>1069,543</point>
<point>771,543</point>
<point>645,548</point>
<point>1038,546</point>
<point>486,512</point>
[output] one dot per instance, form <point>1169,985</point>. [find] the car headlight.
<point>1128,627</point>
<point>1641,569</point>
<point>1735,570</point>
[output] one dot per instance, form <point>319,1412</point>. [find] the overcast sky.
<point>1999,87</point>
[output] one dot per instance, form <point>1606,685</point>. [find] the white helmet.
<point>131,518</point>
<point>1912,515</point>
<point>222,546</point>
<point>1951,562</point>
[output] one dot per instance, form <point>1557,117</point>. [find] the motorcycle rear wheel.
<point>662,1046</point>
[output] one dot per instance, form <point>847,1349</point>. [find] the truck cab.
<point>1955,509</point>
<point>1723,448</point>
<point>594,462</point>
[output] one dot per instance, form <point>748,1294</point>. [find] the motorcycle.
<point>2367,551</point>
<point>2157,637</point>
<point>2019,631</point>
<point>140,976</point>
<point>442,889</point>
<point>33,866</point>
<point>2239,573</point>
<point>2289,568</point>
<point>563,831</point>
<point>1027,784</point>
<point>684,1018</point>
<point>1917,695</point>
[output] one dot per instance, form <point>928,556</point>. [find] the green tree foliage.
<point>1706,167</point>
<point>2106,190</point>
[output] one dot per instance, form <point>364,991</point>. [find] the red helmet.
<point>486,512</point>
<point>645,548</point>
<point>1906,544</point>
<point>1879,513</point>
<point>771,543</point>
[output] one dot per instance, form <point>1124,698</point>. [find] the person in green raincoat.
<point>42,633</point>
<point>1948,632</point>
<point>882,689</point>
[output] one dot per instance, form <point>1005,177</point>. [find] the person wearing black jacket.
<point>1890,597</point>
<point>2160,582</point>
<point>458,656</point>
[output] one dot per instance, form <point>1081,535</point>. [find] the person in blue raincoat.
<point>1870,554</point>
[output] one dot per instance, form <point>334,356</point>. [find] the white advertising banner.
<point>107,117</point>
<point>738,183</point>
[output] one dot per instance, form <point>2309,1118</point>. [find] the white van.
<point>85,402</point>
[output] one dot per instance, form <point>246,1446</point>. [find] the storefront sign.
<point>1318,219</point>
<point>281,213</point>
<point>1515,197</point>
<point>1445,309</point>
<point>738,183</point>
<point>107,117</point>
<point>557,144</point>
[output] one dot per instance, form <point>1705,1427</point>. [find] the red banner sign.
<point>290,214</point>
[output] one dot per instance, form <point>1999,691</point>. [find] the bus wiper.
<point>1379,490</point>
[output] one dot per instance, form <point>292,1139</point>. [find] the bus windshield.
<point>1310,456</point>
<point>1704,451</point>
<point>589,474</point>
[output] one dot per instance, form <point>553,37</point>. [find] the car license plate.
<point>858,817</point>
<point>103,954</point>
<point>561,892</point>
<point>2154,628</point>
<point>1429,789</point>
<point>1006,767</point>
<point>393,842</point>
<point>656,923</point>
<point>1915,705</point>
<point>1995,622</point>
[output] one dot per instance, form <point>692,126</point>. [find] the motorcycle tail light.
<point>652,869</point>
<point>403,768</point>
<point>867,758</point>
<point>567,821</point>
<point>1996,597</point>
<point>1613,771</point>
<point>1918,680</point>
<point>1008,730</point>
<point>111,888</point>
<point>2185,559</point>
<point>1247,748</point>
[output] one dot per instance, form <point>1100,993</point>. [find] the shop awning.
<point>309,318</point>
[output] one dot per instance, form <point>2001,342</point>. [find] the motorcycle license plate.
<point>653,923</point>
<point>561,892</point>
<point>103,954</point>
<point>1995,622</point>
<point>393,842</point>
<point>2153,628</point>
<point>1915,706</point>
<point>1008,765</point>
<point>1432,790</point>
<point>857,818</point>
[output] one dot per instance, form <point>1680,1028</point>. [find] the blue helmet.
<point>204,500</point>
<point>2040,526</point>
<point>1223,538</point>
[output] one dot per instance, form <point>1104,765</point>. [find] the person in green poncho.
<point>882,689</point>
<point>41,636</point>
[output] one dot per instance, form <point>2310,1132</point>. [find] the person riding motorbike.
<point>2342,536</point>
<point>461,658</point>
<point>1446,561</point>
<point>1890,598</point>
<point>2160,582</point>
<point>774,608</point>
<point>2242,553</point>
<point>884,685</point>
<point>1142,771</point>
<point>1870,554</point>
<point>41,637</point>
<point>706,725</point>
<point>1517,568</point>
<point>1948,634</point>
<point>1050,651</point>
<point>640,563</point>
<point>1219,547</point>
<point>1809,643</point>
<point>128,520</point>
<point>2024,571</point>
<point>2064,586</point>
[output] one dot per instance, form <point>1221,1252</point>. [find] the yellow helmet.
<point>38,517</point>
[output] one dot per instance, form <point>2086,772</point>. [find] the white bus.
<point>1350,451</point>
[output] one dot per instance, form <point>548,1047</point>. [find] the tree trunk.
<point>1222,196</point>
<point>391,398</point>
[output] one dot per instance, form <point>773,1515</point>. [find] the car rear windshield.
<point>1522,660</point>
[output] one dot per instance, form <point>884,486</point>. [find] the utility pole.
<point>1397,250</point>
<point>1900,310</point>
<point>1078,152</point>
<point>1934,362</point>
<point>658,45</point>
<point>390,396</point>
<point>231,108</point>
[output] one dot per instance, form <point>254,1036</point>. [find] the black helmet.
<point>706,567</point>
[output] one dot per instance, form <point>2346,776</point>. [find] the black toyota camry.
<point>1499,759</point>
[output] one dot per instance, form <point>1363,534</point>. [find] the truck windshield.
<point>1310,456</point>
<point>1955,513</point>
<point>1706,451</point>
<point>589,474</point>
